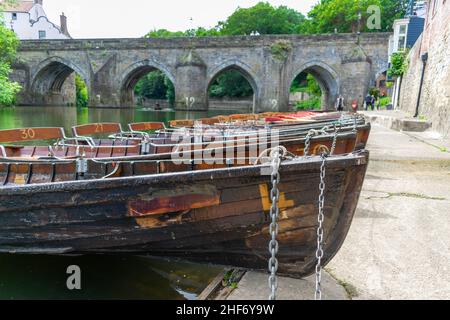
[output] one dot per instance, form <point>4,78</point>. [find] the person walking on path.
<point>340,103</point>
<point>368,101</point>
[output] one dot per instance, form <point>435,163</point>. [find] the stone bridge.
<point>342,63</point>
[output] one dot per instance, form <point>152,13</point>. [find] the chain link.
<point>274,227</point>
<point>310,134</point>
<point>320,231</point>
<point>333,147</point>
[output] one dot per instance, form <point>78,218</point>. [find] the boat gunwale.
<point>166,155</point>
<point>356,158</point>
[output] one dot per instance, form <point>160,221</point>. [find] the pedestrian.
<point>368,101</point>
<point>373,102</point>
<point>340,103</point>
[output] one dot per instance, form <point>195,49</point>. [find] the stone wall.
<point>435,98</point>
<point>238,105</point>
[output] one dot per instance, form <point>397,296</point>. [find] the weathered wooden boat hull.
<point>218,216</point>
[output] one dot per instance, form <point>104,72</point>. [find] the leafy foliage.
<point>155,85</point>
<point>305,82</point>
<point>399,64</point>
<point>280,49</point>
<point>384,101</point>
<point>8,47</point>
<point>342,15</point>
<point>199,32</point>
<point>310,104</point>
<point>229,84</point>
<point>262,18</point>
<point>164,33</point>
<point>81,92</point>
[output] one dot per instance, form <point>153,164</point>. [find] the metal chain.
<point>320,220</point>
<point>333,147</point>
<point>274,227</point>
<point>311,134</point>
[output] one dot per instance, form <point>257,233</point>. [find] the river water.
<point>102,276</point>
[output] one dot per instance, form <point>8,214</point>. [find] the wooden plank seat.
<point>96,128</point>
<point>181,123</point>
<point>117,137</point>
<point>243,117</point>
<point>146,126</point>
<point>29,134</point>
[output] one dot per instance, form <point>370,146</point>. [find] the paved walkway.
<point>254,286</point>
<point>399,244</point>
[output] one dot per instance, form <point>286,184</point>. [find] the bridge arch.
<point>244,69</point>
<point>49,78</point>
<point>327,78</point>
<point>133,73</point>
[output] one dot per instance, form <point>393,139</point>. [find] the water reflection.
<point>68,116</point>
<point>102,277</point>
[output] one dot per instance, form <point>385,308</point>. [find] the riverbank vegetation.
<point>8,47</point>
<point>305,84</point>
<point>81,92</point>
<point>155,85</point>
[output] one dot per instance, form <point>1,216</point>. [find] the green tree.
<point>230,84</point>
<point>8,47</point>
<point>152,86</point>
<point>342,15</point>
<point>392,10</point>
<point>305,82</point>
<point>170,94</point>
<point>164,33</point>
<point>262,18</point>
<point>155,85</point>
<point>81,92</point>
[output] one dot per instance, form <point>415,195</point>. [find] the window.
<point>14,16</point>
<point>42,34</point>
<point>401,44</point>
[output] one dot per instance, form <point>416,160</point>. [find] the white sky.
<point>134,18</point>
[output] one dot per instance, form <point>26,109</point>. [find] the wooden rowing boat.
<point>215,215</point>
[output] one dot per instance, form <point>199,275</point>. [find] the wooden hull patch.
<point>182,198</point>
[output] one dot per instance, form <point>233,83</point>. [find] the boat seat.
<point>28,134</point>
<point>117,137</point>
<point>146,126</point>
<point>96,128</point>
<point>181,123</point>
<point>209,121</point>
<point>235,117</point>
<point>31,134</point>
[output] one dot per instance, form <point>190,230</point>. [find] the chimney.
<point>39,2</point>
<point>63,25</point>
